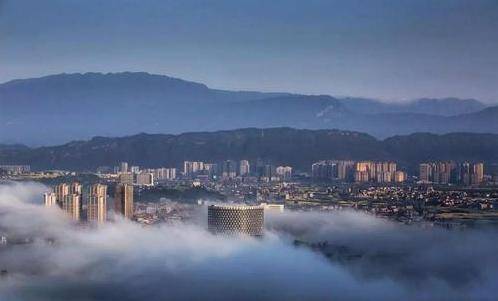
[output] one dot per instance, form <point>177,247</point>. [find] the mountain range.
<point>58,108</point>
<point>296,147</point>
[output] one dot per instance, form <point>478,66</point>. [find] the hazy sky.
<point>387,49</point>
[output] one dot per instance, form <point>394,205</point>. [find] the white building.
<point>145,179</point>
<point>190,168</point>
<point>123,166</point>
<point>273,207</point>
<point>284,172</point>
<point>244,168</point>
<point>49,199</point>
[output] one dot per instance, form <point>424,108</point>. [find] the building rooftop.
<point>236,207</point>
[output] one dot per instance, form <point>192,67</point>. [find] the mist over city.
<point>248,150</point>
<point>165,261</point>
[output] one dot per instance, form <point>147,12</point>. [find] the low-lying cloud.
<point>370,258</point>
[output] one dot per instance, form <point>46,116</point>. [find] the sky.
<point>392,50</point>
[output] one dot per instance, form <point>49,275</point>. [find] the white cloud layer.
<point>125,261</point>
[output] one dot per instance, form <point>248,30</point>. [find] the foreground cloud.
<point>124,261</point>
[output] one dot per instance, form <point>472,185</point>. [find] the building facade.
<point>97,203</point>
<point>145,179</point>
<point>248,220</point>
<point>191,168</point>
<point>61,191</point>
<point>71,204</point>
<point>49,199</point>
<point>244,168</point>
<point>123,200</point>
<point>284,172</point>
<point>450,172</point>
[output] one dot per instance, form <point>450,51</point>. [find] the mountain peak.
<point>96,78</point>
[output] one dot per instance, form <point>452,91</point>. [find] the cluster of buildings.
<point>441,206</point>
<point>162,211</point>
<point>90,203</point>
<point>452,173</point>
<point>333,170</point>
<point>379,172</point>
<point>231,169</point>
<point>361,172</point>
<point>15,169</point>
<point>133,175</point>
<point>225,170</point>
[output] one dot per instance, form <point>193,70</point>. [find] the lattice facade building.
<point>236,219</point>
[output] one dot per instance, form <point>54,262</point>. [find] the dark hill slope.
<point>295,147</point>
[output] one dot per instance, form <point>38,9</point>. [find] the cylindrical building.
<point>235,219</point>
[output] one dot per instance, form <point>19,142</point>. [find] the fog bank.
<point>125,261</point>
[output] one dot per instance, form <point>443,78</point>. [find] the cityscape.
<point>248,150</point>
<point>446,194</point>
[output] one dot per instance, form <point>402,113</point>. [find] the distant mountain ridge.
<point>296,147</point>
<point>57,108</point>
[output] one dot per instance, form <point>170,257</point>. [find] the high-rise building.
<point>123,167</point>
<point>465,173</point>
<point>161,174</point>
<point>244,168</point>
<point>492,169</point>
<point>61,191</point>
<point>259,167</point>
<point>170,173</point>
<point>442,172</point>
<point>333,170</point>
<point>284,172</point>
<point>400,176</point>
<point>344,169</point>
<point>425,172</point>
<point>123,200</point>
<point>135,169</point>
<point>49,199</point>
<point>234,219</point>
<point>477,174</point>
<point>385,172</point>
<point>324,170</point>
<point>76,188</point>
<point>361,176</point>
<point>145,179</point>
<point>97,203</point>
<point>191,168</point>
<point>211,169</point>
<point>450,172</point>
<point>126,178</point>
<point>380,172</point>
<point>71,204</point>
<point>364,171</point>
<point>229,169</point>
<point>15,169</point>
